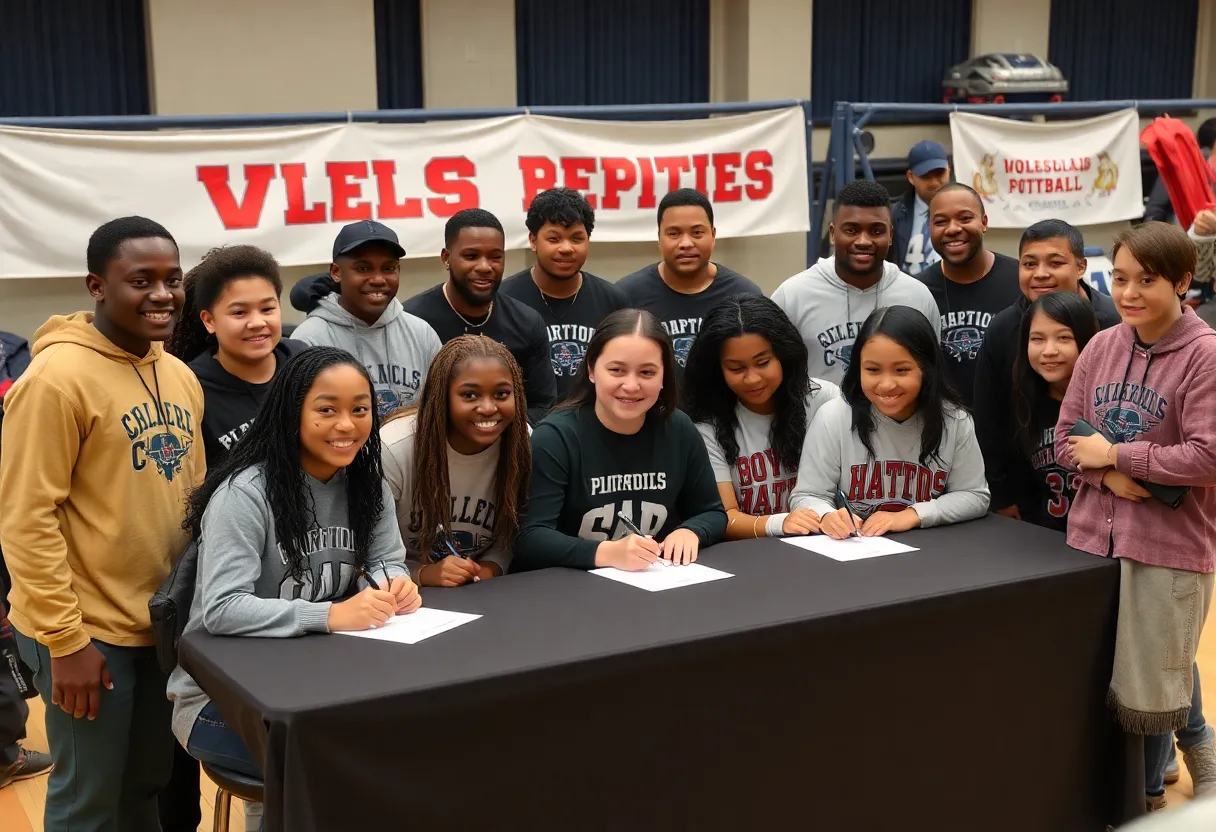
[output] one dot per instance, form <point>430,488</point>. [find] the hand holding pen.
<point>842,523</point>
<point>453,568</point>
<point>633,552</point>
<point>403,591</point>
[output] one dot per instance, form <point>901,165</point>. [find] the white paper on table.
<point>662,575</point>
<point>849,549</point>
<point>417,626</point>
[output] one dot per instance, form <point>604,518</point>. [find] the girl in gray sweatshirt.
<point>898,444</point>
<point>289,528</point>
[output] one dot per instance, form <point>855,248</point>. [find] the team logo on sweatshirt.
<point>833,340</point>
<point>565,357</point>
<point>163,438</point>
<point>1127,410</point>
<point>764,488</point>
<point>387,401</point>
<point>893,485</point>
<point>682,347</point>
<point>962,342</point>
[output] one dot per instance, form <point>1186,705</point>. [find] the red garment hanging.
<point>1188,176</point>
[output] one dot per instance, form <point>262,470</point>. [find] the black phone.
<point>1171,495</point>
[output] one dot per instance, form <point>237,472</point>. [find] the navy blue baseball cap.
<point>927,156</point>
<point>363,232</point>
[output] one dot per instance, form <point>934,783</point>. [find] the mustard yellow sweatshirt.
<point>93,484</point>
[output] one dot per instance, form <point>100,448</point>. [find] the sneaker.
<point>1155,803</point>
<point>29,764</point>
<point>1201,763</point>
<point>1173,772</point>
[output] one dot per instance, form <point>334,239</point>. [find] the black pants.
<point>179,802</point>
<point>14,689</point>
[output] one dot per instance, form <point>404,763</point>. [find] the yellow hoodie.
<point>93,484</point>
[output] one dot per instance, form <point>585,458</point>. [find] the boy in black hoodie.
<point>1051,259</point>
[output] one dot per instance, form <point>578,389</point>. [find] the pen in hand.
<point>633,529</point>
<point>843,502</point>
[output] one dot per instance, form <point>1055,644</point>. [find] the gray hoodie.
<point>396,350</point>
<point>950,489</point>
<point>829,312</point>
<point>244,587</point>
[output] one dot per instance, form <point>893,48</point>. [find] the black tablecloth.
<point>960,687</point>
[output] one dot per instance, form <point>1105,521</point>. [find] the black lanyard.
<point>160,410</point>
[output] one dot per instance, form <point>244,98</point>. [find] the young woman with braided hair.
<point>289,528</point>
<point>458,464</point>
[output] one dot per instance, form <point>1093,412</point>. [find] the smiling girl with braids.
<point>287,526</point>
<point>458,465</point>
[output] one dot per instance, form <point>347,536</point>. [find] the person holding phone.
<point>1149,388</point>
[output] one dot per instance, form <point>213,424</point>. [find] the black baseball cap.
<point>363,232</point>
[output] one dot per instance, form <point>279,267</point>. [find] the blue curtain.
<point>1115,49</point>
<point>885,50</point>
<point>588,52</point>
<point>398,54</point>
<point>78,58</point>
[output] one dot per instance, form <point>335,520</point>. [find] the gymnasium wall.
<point>235,56</point>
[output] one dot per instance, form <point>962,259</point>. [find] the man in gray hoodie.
<point>829,301</point>
<point>365,318</point>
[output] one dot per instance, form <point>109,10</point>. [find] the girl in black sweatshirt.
<point>1055,328</point>
<point>230,333</point>
<point>618,452</point>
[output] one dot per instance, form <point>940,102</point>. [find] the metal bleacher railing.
<point>846,155</point>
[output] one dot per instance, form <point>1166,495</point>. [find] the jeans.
<point>108,771</point>
<point>212,741</point>
<point>1159,750</point>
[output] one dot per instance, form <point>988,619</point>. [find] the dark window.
<point>885,50</point>
<point>1117,49</point>
<point>588,52</point>
<point>398,55</point>
<point>78,58</point>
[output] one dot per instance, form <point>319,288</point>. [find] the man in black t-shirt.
<point>469,303</point>
<point>572,302</point>
<point>682,288</point>
<point>970,284</point>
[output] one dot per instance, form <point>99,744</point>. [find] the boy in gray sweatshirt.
<point>365,318</point>
<point>829,301</point>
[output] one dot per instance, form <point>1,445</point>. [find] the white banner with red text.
<point>290,189</point>
<point>1083,172</point>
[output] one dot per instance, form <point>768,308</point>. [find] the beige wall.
<point>261,56</point>
<point>1003,26</point>
<point>468,53</point>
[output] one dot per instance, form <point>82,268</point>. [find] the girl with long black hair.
<point>898,444</point>
<point>747,389</point>
<point>616,458</point>
<point>289,527</point>
<point>1055,328</point>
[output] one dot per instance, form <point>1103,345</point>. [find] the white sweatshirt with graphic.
<point>949,489</point>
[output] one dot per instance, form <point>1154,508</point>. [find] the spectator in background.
<point>829,301</point>
<point>1159,207</point>
<point>928,170</point>
<point>970,283</point>
<point>468,303</point>
<point>1052,259</point>
<point>14,358</point>
<point>681,288</point>
<point>571,302</point>
<point>366,319</point>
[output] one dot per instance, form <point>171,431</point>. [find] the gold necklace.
<point>467,323</point>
